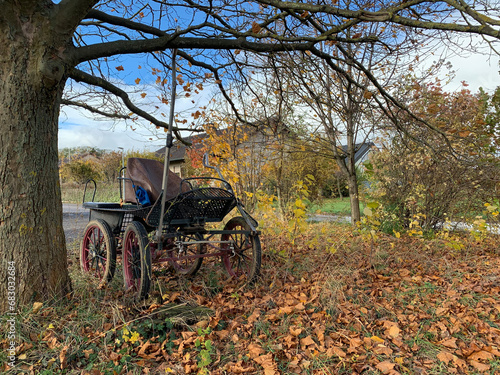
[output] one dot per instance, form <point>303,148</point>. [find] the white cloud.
<point>477,70</point>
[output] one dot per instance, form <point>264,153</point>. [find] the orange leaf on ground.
<point>445,357</point>
<point>62,357</point>
<point>295,331</point>
<point>256,313</point>
<point>255,350</point>
<point>267,363</point>
<point>307,341</point>
<point>481,367</point>
<point>450,343</point>
<point>394,331</point>
<point>237,368</point>
<point>336,351</point>
<point>385,366</point>
<point>377,339</point>
<point>484,355</point>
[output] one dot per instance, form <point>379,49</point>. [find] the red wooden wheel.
<point>98,251</point>
<point>136,260</point>
<point>243,254</point>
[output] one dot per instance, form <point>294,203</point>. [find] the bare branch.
<point>94,110</point>
<point>80,76</point>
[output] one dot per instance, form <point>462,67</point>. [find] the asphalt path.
<point>75,218</point>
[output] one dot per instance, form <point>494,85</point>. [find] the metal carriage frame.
<point>131,231</point>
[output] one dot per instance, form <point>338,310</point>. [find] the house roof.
<point>362,150</point>
<point>178,150</point>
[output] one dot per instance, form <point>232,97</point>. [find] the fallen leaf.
<point>62,357</point>
<point>377,339</point>
<point>295,331</point>
<point>385,366</point>
<point>445,356</point>
<point>394,331</point>
<point>307,341</point>
<point>481,367</point>
<point>255,350</point>
<point>450,343</point>
<point>267,363</point>
<point>484,355</point>
<point>336,351</point>
<point>36,307</point>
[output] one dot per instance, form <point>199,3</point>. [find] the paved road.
<point>75,218</point>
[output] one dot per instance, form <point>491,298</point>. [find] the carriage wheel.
<point>178,252</point>
<point>243,256</point>
<point>98,251</point>
<point>136,259</point>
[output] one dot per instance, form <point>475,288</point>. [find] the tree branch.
<point>68,13</point>
<point>390,14</point>
<point>80,76</point>
<point>94,110</point>
<point>173,41</point>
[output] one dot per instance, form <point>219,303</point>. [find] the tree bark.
<point>32,244</point>
<point>352,182</point>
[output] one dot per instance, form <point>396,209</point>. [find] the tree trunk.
<point>352,182</point>
<point>33,257</point>
<point>339,188</point>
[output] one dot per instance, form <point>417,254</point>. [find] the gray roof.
<point>361,150</point>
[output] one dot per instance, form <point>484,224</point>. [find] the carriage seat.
<point>148,174</point>
<point>103,205</point>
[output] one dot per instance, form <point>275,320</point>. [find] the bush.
<point>412,182</point>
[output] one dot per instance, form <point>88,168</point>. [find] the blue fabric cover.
<point>142,196</point>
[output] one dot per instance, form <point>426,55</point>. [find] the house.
<point>362,152</point>
<point>258,139</point>
<point>178,152</point>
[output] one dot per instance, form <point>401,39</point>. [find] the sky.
<point>77,128</point>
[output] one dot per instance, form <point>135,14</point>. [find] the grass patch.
<point>333,206</point>
<point>73,193</point>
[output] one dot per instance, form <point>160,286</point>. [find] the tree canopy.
<point>211,38</point>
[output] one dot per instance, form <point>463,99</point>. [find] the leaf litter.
<point>410,307</point>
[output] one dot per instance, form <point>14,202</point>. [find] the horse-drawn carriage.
<point>154,225</point>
